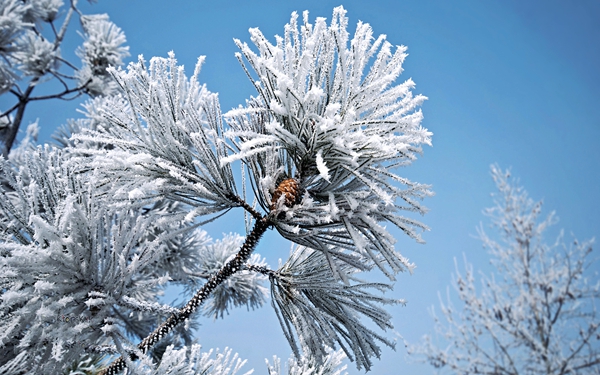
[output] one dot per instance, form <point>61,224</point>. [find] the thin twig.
<point>59,79</point>
<point>67,62</point>
<point>63,29</point>
<point>246,206</point>
<point>61,95</point>
<point>8,111</point>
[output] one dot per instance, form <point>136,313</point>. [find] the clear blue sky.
<point>509,82</point>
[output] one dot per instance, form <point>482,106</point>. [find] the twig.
<point>67,63</point>
<point>63,29</point>
<point>246,206</point>
<point>60,95</point>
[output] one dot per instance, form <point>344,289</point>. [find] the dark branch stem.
<point>67,63</point>
<point>8,111</point>
<point>58,77</point>
<point>260,269</point>
<point>233,266</point>
<point>54,29</point>
<point>11,132</point>
<point>13,128</point>
<point>63,29</point>
<point>60,95</point>
<point>246,206</point>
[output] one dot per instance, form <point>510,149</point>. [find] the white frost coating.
<point>332,108</point>
<point>317,311</point>
<point>323,170</point>
<point>73,260</point>
<point>188,361</point>
<point>242,289</point>
<point>136,193</point>
<point>306,365</point>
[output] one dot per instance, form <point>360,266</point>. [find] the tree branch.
<point>63,28</point>
<point>62,94</point>
<point>233,266</point>
<point>246,206</point>
<point>13,128</point>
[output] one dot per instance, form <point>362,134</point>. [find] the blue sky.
<point>509,82</point>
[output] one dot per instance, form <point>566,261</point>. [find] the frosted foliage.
<point>29,142</point>
<point>535,315</point>
<point>36,56</point>
<point>329,114</point>
<point>317,311</point>
<point>7,77</point>
<point>17,365</point>
<point>192,361</point>
<point>331,365</point>
<point>103,45</point>
<point>94,120</point>
<point>166,131</point>
<point>242,288</point>
<point>93,232</point>
<point>73,272</point>
<point>86,365</point>
<point>45,10</point>
<point>32,33</point>
<point>11,24</point>
<point>102,48</point>
<point>95,85</point>
<point>182,254</point>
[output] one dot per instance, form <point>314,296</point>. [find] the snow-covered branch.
<point>329,115</point>
<point>94,230</point>
<point>71,268</point>
<point>535,315</point>
<point>330,365</point>
<point>165,138</point>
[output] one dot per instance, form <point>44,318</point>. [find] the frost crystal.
<point>166,131</point>
<point>95,230</point>
<point>73,271</point>
<point>103,46</point>
<point>331,365</point>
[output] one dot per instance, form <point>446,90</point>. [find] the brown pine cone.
<point>290,189</point>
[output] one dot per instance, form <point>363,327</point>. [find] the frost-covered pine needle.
<point>329,114</point>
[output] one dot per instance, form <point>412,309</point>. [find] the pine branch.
<point>330,120</point>
<point>246,206</point>
<point>260,269</point>
<point>233,266</point>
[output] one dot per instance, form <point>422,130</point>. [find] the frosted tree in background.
<point>31,59</point>
<point>98,226</point>
<point>536,314</point>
